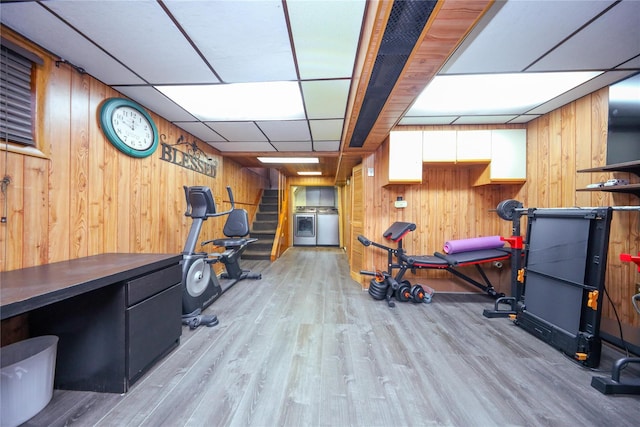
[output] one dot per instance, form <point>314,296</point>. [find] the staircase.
<point>264,227</point>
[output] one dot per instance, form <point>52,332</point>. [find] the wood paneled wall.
<point>445,206</point>
<point>82,197</point>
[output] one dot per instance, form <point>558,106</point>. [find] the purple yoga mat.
<point>473,244</point>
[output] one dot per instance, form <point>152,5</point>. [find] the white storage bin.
<point>26,378</point>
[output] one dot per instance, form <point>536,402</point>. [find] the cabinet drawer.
<point>154,327</point>
<point>150,284</point>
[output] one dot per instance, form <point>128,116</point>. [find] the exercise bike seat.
<point>398,230</point>
<point>236,228</point>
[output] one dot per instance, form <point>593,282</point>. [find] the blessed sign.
<point>191,161</point>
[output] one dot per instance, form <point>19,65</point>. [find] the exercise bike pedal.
<point>209,320</point>
<point>194,322</point>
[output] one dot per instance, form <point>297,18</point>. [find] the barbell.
<point>507,209</point>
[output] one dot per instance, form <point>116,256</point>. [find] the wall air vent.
<point>405,24</point>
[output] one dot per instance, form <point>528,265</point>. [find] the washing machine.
<point>304,226</point>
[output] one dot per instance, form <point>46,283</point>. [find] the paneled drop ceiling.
<point>358,65</point>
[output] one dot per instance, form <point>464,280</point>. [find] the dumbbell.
<point>406,292</point>
<point>417,293</point>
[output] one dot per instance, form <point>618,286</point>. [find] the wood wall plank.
<point>12,232</point>
<point>35,243</point>
<point>57,138</point>
<point>554,160</point>
<point>583,149</point>
<point>568,155</point>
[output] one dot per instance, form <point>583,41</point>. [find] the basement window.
<point>17,94</point>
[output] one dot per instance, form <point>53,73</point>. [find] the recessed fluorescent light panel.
<point>288,159</point>
<point>490,94</point>
<point>239,101</point>
<point>309,173</point>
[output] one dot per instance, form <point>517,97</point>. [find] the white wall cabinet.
<point>473,146</point>
<point>508,158</point>
<point>439,146</point>
<point>405,157</point>
<point>461,146</point>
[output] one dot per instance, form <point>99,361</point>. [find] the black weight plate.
<point>507,209</point>
<point>417,293</point>
<point>378,290</point>
<point>403,293</point>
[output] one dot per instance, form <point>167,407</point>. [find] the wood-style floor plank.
<point>305,346</point>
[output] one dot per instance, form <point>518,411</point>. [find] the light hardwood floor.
<point>305,346</point>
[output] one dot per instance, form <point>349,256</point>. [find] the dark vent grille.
<point>406,22</point>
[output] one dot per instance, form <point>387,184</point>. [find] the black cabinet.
<point>115,315</point>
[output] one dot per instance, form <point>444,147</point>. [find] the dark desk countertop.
<point>34,287</point>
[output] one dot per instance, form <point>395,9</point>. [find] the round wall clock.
<point>128,127</point>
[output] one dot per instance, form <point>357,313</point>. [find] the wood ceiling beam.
<point>446,28</point>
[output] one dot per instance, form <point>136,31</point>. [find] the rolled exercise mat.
<point>472,244</point>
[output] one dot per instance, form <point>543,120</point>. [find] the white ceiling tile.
<point>427,120</point>
<point>326,99</point>
<point>155,101</point>
<point>621,23</point>
<point>326,129</point>
<point>326,37</point>
<point>633,63</point>
<point>524,118</point>
<point>200,131</point>
<point>244,41</point>
<point>243,146</point>
<point>138,35</point>
<point>466,120</point>
<point>292,145</point>
<point>238,131</point>
<point>289,130</point>
<point>32,20</point>
<point>519,33</point>
<point>326,145</point>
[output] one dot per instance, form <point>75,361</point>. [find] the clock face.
<point>132,128</point>
<point>128,127</point>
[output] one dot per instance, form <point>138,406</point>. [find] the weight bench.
<point>449,262</point>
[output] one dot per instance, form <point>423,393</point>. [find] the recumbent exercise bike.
<point>200,284</point>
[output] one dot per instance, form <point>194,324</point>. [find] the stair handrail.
<point>280,237</point>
